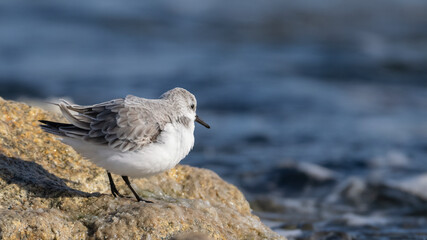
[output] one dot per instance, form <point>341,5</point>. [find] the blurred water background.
<point>318,108</point>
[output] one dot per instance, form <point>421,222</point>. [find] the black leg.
<point>113,188</point>
<point>126,179</point>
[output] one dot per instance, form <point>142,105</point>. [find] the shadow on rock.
<point>35,179</point>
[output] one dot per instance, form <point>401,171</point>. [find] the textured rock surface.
<point>48,191</point>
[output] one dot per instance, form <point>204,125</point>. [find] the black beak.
<point>202,122</point>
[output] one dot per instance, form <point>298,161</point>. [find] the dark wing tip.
<point>55,125</point>
<point>44,121</point>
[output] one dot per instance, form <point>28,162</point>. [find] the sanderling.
<point>131,137</point>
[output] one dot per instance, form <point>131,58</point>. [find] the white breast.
<point>172,145</point>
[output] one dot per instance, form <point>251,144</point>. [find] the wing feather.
<point>123,124</point>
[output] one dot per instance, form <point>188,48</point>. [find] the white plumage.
<point>172,145</point>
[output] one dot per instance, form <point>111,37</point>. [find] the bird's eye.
<point>192,106</point>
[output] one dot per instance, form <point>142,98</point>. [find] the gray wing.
<point>123,124</point>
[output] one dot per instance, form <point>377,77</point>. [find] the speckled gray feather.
<point>124,124</point>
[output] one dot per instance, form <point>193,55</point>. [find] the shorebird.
<point>132,136</point>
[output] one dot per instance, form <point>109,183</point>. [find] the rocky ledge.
<point>47,191</point>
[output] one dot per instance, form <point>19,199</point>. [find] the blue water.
<point>337,86</point>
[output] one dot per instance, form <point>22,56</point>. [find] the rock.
<point>414,185</point>
<point>370,195</point>
<point>330,235</point>
<point>292,179</point>
<point>190,236</point>
<point>47,191</point>
<point>39,224</point>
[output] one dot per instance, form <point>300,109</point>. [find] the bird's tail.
<point>53,127</point>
